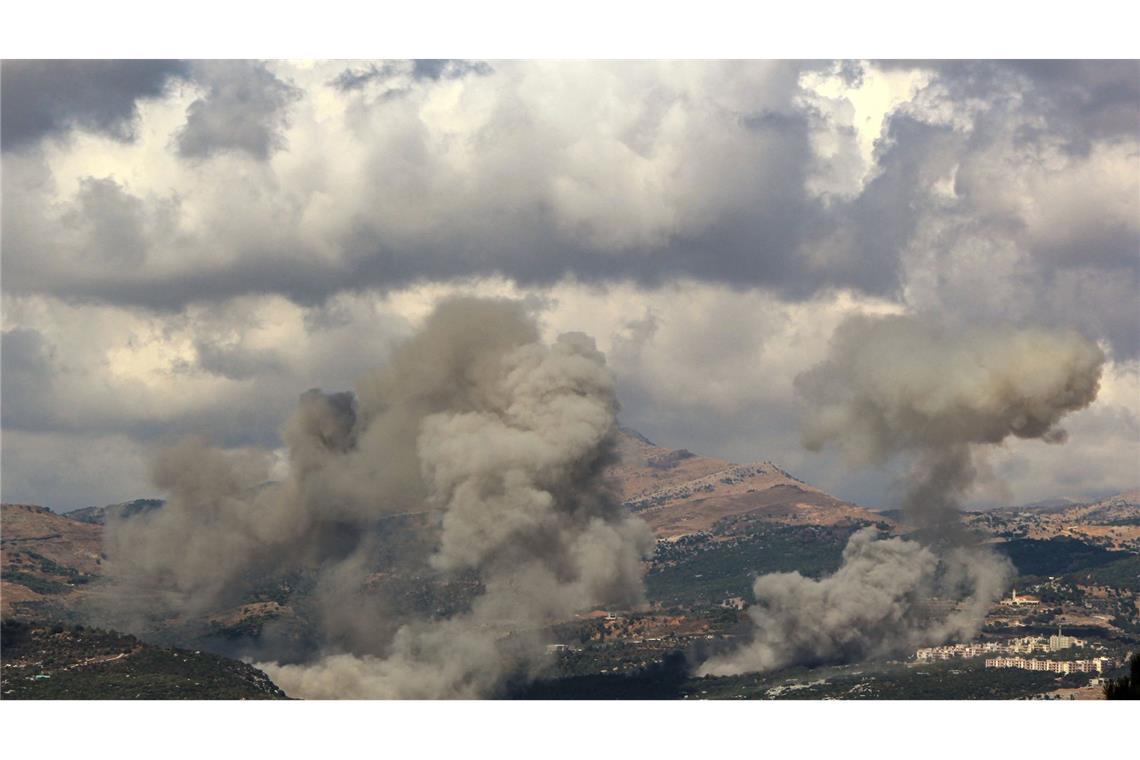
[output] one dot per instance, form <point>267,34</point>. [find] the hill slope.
<point>45,559</point>
<point>678,492</point>
<point>62,662</point>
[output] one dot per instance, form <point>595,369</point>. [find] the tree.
<point>1125,687</point>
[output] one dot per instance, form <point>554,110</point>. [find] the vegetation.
<point>1056,556</point>
<point>713,569</point>
<point>1122,573</point>
<point>658,680</point>
<point>36,583</point>
<point>669,678</point>
<point>74,662</point>
<point>1125,687</point>
<point>963,679</point>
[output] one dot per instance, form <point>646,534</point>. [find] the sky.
<point>188,246</point>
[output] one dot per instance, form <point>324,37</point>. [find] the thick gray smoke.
<point>902,385</point>
<point>897,385</point>
<point>876,604</point>
<point>474,457</point>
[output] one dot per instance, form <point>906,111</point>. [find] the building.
<point>1060,641</point>
<point>1095,665</point>
<point>1019,646</point>
<point>1028,645</point>
<point>1019,601</point>
<point>953,651</point>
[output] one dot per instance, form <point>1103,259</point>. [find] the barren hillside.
<point>678,492</point>
<point>44,557</point>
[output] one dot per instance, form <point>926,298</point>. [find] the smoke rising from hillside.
<point>473,458</point>
<point>902,385</point>
<point>870,607</point>
<point>897,385</point>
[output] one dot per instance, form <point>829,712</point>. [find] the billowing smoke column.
<point>903,385</point>
<point>475,456</point>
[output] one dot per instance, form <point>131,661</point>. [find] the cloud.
<point>792,178</point>
<point>647,171</point>
<point>394,75</point>
<point>765,198</point>
<point>244,110</point>
<point>928,184</point>
<point>1079,101</point>
<point>1026,209</point>
<point>27,377</point>
<point>48,98</point>
<point>698,365</point>
<point>229,372</point>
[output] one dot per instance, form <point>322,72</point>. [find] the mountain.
<point>1121,509</point>
<point>99,515</point>
<point>1060,503</point>
<point>679,493</point>
<point>46,559</point>
<point>1112,523</point>
<point>719,523</point>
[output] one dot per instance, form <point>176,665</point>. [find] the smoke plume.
<point>472,463</point>
<point>905,386</point>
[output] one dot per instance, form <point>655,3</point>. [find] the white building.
<point>1095,665</point>
<point>1018,601</point>
<point>952,651</point>
<point>1060,641</point>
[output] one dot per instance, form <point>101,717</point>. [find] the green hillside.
<point>74,662</point>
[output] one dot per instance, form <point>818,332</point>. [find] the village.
<point>1054,653</point>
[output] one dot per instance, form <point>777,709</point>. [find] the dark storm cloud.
<point>875,227</point>
<point>1025,167</point>
<point>355,79</point>
<point>432,69</point>
<point>245,109</point>
<point>758,236</point>
<point>761,228</point>
<point>759,244</point>
<point>1080,101</point>
<point>443,68</point>
<point>42,98</point>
